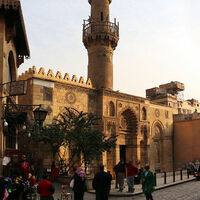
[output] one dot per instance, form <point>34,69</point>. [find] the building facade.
<point>13,48</point>
<point>171,94</point>
<point>144,129</point>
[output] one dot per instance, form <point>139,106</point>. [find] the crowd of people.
<point>19,180</point>
<point>22,179</point>
<point>102,180</point>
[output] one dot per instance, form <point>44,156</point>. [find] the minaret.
<point>100,37</point>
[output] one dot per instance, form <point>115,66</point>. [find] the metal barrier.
<point>174,178</point>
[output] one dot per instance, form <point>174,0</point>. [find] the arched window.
<point>111,109</point>
<point>144,114</point>
<point>101,16</point>
<point>11,71</point>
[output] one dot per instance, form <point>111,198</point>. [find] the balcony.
<point>100,28</point>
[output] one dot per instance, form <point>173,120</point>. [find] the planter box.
<point>89,183</point>
<point>65,180</point>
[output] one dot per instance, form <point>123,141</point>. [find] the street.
<point>185,191</point>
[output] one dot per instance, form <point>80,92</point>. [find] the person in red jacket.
<point>24,167</point>
<point>45,189</point>
<point>131,172</point>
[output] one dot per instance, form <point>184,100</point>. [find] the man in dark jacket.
<point>101,184</point>
<point>121,174</point>
<point>115,169</point>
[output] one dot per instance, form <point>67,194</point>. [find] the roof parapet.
<point>41,74</point>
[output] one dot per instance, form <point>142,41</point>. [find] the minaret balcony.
<point>96,28</point>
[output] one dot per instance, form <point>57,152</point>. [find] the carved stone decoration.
<point>120,105</point>
<point>167,125</point>
<point>167,114</point>
<point>111,128</point>
<point>123,122</point>
<point>157,113</point>
<point>70,97</point>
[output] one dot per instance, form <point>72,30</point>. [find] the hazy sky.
<point>159,41</point>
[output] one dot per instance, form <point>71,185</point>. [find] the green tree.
<point>49,134</point>
<point>77,130</point>
<point>83,134</point>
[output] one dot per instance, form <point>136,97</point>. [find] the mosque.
<point>144,125</point>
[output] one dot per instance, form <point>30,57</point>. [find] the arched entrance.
<point>128,136</point>
<point>156,147</point>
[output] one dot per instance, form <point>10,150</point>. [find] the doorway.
<point>123,153</point>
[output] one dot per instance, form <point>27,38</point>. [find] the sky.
<point>159,41</point>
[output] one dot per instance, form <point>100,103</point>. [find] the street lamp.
<point>40,115</point>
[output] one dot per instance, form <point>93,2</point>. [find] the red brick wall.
<point>186,142</point>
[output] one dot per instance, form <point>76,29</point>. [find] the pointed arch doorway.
<point>156,147</point>
<point>128,136</point>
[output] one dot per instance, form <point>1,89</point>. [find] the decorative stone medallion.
<point>157,113</point>
<point>70,97</point>
<point>123,122</point>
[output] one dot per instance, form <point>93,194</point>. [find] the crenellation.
<point>74,79</point>
<point>32,72</point>
<point>42,72</point>
<point>50,74</point>
<point>67,77</point>
<point>81,80</point>
<point>58,75</point>
<point>89,82</point>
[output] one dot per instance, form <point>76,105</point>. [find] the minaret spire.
<point>100,37</point>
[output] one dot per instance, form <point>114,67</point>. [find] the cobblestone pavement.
<point>185,191</point>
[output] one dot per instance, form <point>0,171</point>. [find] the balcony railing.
<point>100,27</point>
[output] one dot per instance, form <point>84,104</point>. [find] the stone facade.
<point>144,129</point>
<point>13,48</point>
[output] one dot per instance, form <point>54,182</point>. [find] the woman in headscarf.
<point>79,184</point>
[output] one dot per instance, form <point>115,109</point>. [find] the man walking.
<point>148,183</point>
<point>121,175</point>
<point>115,169</point>
<point>131,172</point>
<point>101,184</point>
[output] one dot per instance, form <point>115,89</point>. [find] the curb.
<point>139,193</point>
